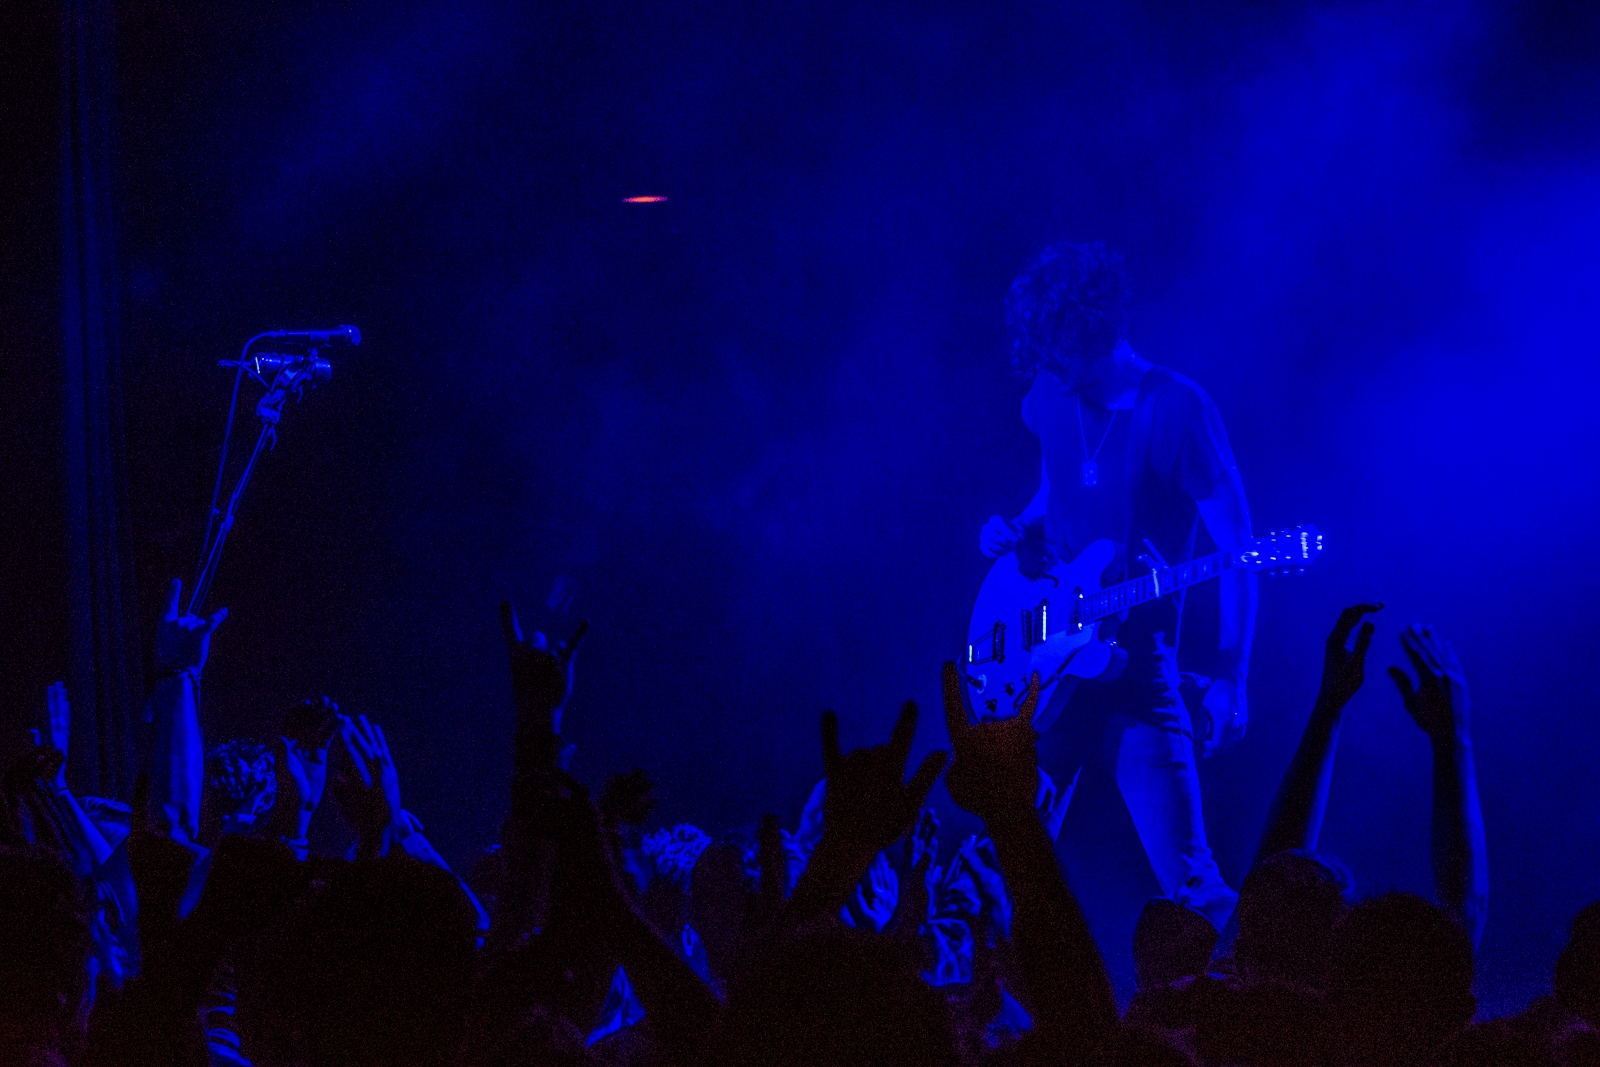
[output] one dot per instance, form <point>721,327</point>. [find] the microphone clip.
<point>290,371</point>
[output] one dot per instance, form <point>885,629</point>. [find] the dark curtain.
<point>105,673</point>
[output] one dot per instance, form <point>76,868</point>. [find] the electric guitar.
<point>1062,624</point>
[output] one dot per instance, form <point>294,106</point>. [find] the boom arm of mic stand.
<point>290,378</point>
<point>202,583</point>
<point>222,460</point>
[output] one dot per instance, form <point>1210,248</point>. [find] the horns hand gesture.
<point>995,772</point>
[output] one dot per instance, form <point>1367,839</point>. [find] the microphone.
<point>318,337</point>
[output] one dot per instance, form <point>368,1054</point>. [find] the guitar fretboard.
<point>1149,586</point>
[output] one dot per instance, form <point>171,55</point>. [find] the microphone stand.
<point>293,374</point>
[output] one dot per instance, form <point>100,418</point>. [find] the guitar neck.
<point>1152,585</point>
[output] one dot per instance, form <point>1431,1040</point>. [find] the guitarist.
<point>1136,454</point>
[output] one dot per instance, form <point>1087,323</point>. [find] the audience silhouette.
<point>196,926</point>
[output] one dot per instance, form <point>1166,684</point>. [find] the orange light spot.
<point>644,200</point>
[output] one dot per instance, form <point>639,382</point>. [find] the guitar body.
<point>1062,625</point>
<point>1024,625</point>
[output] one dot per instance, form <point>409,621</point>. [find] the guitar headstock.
<point>1287,551</point>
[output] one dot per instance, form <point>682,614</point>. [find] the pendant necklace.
<point>1091,472</point>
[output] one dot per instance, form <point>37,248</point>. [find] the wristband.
<point>178,672</point>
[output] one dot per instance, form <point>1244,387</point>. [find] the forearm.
<point>1227,517</point>
<point>536,748</point>
<point>682,1009</point>
<point>1236,624</point>
<point>1070,993</point>
<point>593,911</point>
<point>1040,503</point>
<point>1295,819</point>
<point>1460,852</point>
<point>1036,508</point>
<point>419,848</point>
<point>825,886</point>
<point>91,836</point>
<point>177,759</point>
<point>530,851</point>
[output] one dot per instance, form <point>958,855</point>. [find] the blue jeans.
<point>1141,724</point>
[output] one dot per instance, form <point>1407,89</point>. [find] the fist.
<point>998,536</point>
<point>1225,706</point>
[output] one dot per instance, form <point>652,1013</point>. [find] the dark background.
<point>754,430</point>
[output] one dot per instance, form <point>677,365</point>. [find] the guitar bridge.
<point>991,648</point>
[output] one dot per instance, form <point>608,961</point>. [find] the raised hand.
<point>59,714</point>
<point>868,803</point>
<point>995,776</point>
<point>1295,818</point>
<point>1344,665</point>
<point>1437,700</point>
<point>541,673</point>
<point>995,773</point>
<point>182,640</point>
<point>367,784</point>
<point>880,896</point>
<point>302,767</point>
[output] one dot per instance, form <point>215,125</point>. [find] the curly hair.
<point>1069,305</point>
<point>241,775</point>
<point>676,850</point>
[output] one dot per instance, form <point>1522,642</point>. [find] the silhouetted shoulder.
<point>1180,397</point>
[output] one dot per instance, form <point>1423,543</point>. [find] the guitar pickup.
<point>991,648</point>
<point>1035,625</point>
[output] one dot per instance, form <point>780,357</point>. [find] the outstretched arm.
<point>59,711</point>
<point>541,681</point>
<point>302,769</point>
<point>1438,702</point>
<point>994,776</point>
<point>867,806</point>
<point>1227,518</point>
<point>177,751</point>
<point>367,786</point>
<point>1295,819</point>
